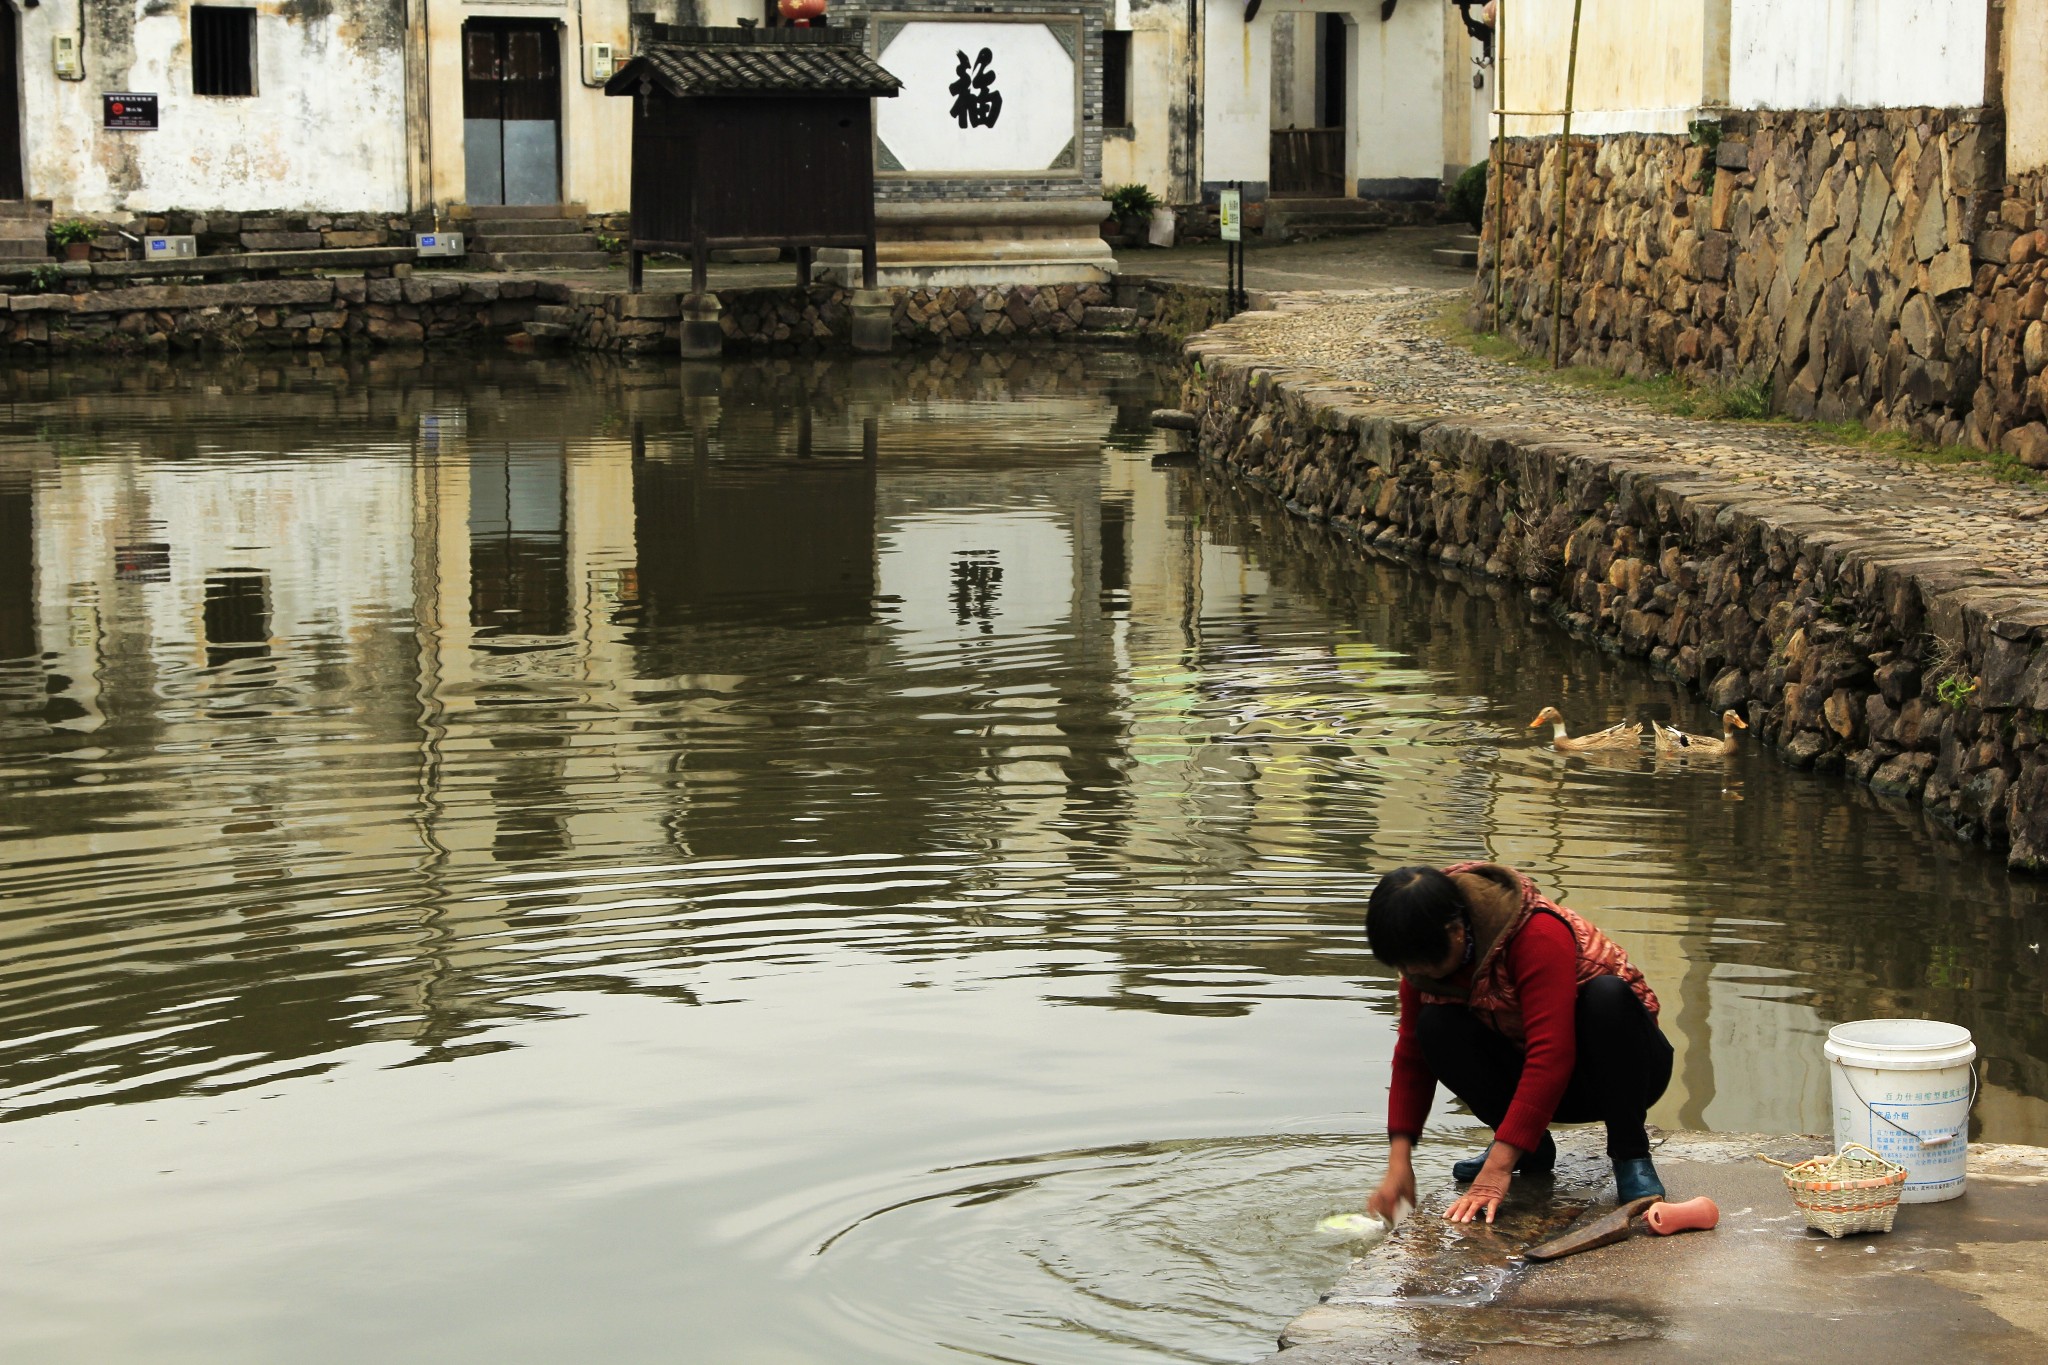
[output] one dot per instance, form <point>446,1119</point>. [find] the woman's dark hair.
<point>1408,920</point>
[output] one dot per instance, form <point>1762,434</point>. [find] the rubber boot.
<point>1636,1178</point>
<point>1537,1163</point>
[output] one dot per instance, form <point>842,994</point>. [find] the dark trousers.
<point>1624,1063</point>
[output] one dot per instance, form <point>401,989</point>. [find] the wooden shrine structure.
<point>749,137</point>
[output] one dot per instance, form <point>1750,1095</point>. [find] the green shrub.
<point>1130,201</point>
<point>66,231</point>
<point>1468,195</point>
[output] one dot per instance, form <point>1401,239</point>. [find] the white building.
<point>1343,98</point>
<point>337,106</point>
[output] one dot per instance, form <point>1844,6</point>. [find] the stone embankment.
<point>270,314</point>
<point>354,310</point>
<point>1870,616</point>
<point>607,320</point>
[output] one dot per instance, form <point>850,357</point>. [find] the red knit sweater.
<point>1543,959</point>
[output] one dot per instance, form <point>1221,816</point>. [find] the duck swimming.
<point>1673,741</point>
<point>1622,736</point>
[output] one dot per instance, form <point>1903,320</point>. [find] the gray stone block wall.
<point>1874,265</point>
<point>1087,184</point>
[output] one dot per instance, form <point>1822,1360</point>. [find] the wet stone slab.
<point>1953,1281</point>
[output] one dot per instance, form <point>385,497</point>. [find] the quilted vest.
<point>1500,901</point>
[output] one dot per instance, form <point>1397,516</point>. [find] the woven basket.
<point>1843,1193</point>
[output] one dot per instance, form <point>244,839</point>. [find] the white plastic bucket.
<point>1903,1088</point>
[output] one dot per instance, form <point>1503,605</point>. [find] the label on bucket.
<point>1921,1110</point>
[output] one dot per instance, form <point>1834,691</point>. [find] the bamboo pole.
<point>1500,150</point>
<point>1564,185</point>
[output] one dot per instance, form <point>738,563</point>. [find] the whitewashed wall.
<point>1157,154</point>
<point>1643,64</point>
<point>1236,94</point>
<point>2026,85</point>
<point>1650,65</point>
<point>1856,54</point>
<point>1394,73</point>
<point>325,130</point>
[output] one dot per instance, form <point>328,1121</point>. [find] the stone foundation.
<point>459,308</point>
<point>1865,264</point>
<point>821,316</point>
<point>1925,678</point>
<point>268,314</point>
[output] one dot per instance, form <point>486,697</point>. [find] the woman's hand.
<point>1489,1188</point>
<point>1399,1184</point>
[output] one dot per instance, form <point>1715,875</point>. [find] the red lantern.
<point>799,13</point>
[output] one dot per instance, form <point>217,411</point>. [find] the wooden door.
<point>512,111</point>
<point>11,186</point>
<point>1308,163</point>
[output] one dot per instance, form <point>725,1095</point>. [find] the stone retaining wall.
<point>261,314</point>
<point>1867,264</point>
<point>424,310</point>
<point>609,320</point>
<point>1925,678</point>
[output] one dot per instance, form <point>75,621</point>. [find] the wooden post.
<point>700,267</point>
<point>867,263</point>
<point>1564,186</point>
<point>1500,150</point>
<point>635,265</point>
<point>803,267</point>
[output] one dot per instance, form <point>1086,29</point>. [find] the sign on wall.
<point>127,111</point>
<point>981,95</point>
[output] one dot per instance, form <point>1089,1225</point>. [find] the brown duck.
<point>1674,742</point>
<point>1622,736</point>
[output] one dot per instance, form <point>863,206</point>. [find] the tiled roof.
<point>759,66</point>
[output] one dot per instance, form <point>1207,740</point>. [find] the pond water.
<point>511,860</point>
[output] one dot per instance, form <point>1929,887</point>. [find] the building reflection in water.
<point>377,706</point>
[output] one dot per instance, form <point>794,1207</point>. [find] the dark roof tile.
<point>755,68</point>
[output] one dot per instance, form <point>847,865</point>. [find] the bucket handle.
<point>1926,1140</point>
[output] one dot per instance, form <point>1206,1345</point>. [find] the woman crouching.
<point>1529,1014</point>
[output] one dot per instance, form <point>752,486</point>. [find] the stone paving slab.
<point>1382,346</point>
<point>1953,1281</point>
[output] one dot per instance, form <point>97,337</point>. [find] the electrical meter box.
<point>601,59</point>
<point>169,248</point>
<point>438,243</point>
<point>64,57</point>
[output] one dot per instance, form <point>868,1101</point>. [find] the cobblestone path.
<point>1383,345</point>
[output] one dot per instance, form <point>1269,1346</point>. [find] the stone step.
<point>498,243</point>
<point>556,313</point>
<point>1455,256</point>
<point>22,250</point>
<point>485,213</point>
<point>25,208</point>
<point>548,331</point>
<point>23,229</point>
<point>541,260</point>
<point>1108,319</point>
<point>523,228</point>
<point>1466,241</point>
<point>1330,209</point>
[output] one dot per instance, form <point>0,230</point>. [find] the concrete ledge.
<point>339,258</point>
<point>1076,213</point>
<point>1952,1281</point>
